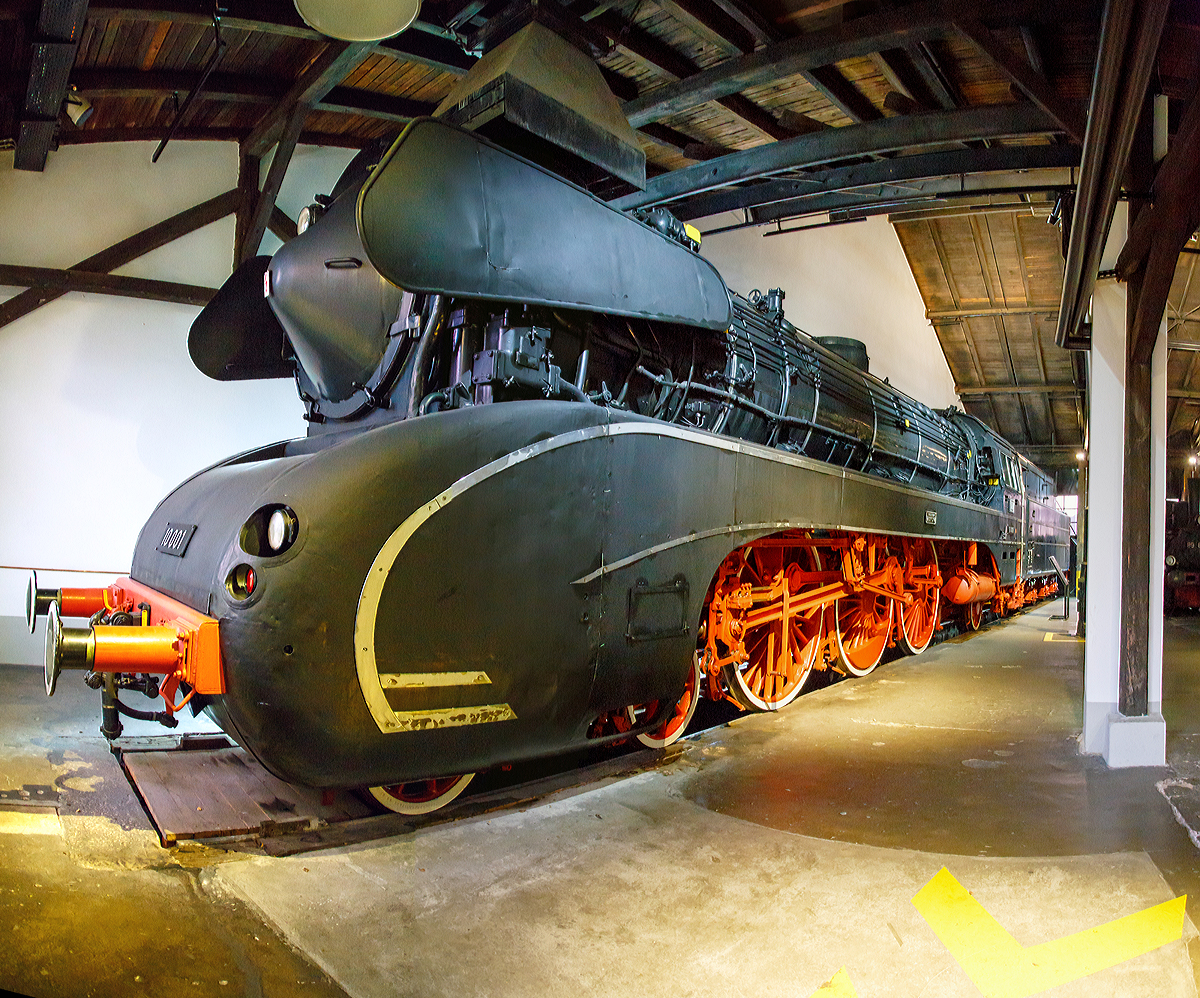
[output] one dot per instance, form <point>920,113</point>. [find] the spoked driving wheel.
<point>863,622</point>
<point>919,619</point>
<point>781,636</point>
<point>676,722</point>
<point>974,615</point>
<point>421,796</point>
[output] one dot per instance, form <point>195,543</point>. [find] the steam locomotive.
<point>1181,580</point>
<point>558,483</point>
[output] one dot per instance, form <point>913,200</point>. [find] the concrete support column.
<point>1138,740</point>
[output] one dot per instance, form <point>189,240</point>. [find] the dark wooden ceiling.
<point>964,122</point>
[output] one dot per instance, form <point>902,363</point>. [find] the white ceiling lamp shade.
<point>359,21</point>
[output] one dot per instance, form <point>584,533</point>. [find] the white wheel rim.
<point>400,806</point>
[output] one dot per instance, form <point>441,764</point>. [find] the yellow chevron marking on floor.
<point>838,986</point>
<point>1002,968</point>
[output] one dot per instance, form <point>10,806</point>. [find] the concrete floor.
<point>767,857</point>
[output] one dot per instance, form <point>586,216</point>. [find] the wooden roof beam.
<point>858,37</point>
<point>92,136</point>
<point>260,217</point>
<point>281,127</point>
<point>1032,84</point>
<point>1159,233</point>
<point>422,43</point>
<point>842,94</point>
<point>63,281</point>
<point>947,167</point>
<point>644,46</point>
<point>817,148</point>
<point>238,88</point>
<point>127,250</point>
<point>711,24</point>
<point>325,72</point>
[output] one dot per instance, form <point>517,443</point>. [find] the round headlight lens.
<point>278,529</point>
<point>1171,560</point>
<point>308,215</point>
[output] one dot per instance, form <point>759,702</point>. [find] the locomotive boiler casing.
<point>498,580</point>
<point>542,563</point>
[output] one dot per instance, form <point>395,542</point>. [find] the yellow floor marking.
<point>1002,968</point>
<point>1053,636</point>
<point>22,823</point>
<point>838,986</point>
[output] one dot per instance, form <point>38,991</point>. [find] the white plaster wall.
<point>101,408</point>
<point>843,280</point>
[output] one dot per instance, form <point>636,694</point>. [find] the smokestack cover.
<point>547,87</point>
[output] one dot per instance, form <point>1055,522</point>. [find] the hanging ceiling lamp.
<point>368,21</point>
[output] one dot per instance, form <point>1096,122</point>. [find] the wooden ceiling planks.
<point>1006,265</point>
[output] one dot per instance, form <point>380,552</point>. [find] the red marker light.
<point>251,579</point>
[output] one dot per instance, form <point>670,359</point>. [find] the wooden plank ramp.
<point>197,794</point>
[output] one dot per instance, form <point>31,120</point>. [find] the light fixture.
<point>308,214</point>
<point>281,530</point>
<point>367,21</point>
<point>1191,459</point>
<point>1081,455</point>
<point>78,107</point>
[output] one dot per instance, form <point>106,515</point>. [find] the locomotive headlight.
<point>1171,561</point>
<point>278,529</point>
<point>270,531</point>
<point>308,214</point>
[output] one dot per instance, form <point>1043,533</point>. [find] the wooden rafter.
<point>1033,84</point>
<point>282,125</point>
<point>646,48</point>
<point>421,44</point>
<point>127,250</point>
<point>325,72</point>
<point>843,143</point>
<point>236,88</point>
<point>859,37</point>
<point>62,281</point>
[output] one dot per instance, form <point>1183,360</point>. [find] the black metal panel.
<point>447,211</point>
<point>336,307</point>
<point>236,336</point>
<point>48,78</point>
<point>34,139</point>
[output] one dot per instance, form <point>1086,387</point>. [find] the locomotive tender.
<point>558,483</point>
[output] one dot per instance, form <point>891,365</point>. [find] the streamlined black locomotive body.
<point>558,483</point>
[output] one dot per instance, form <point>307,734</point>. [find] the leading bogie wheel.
<point>974,615</point>
<point>676,722</point>
<point>862,624</point>
<point>421,796</point>
<point>919,619</point>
